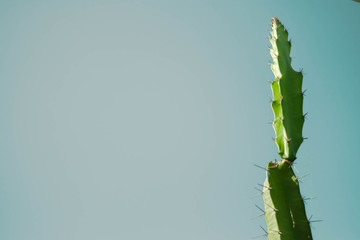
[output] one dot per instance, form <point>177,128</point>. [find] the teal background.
<point>142,119</point>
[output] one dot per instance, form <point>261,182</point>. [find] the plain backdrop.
<point>143,119</point>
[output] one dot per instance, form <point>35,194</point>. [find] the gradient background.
<point>140,120</point>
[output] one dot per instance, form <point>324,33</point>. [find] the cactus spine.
<point>285,213</point>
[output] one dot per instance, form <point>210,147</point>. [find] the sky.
<point>143,119</point>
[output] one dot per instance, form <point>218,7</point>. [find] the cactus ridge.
<point>287,103</point>
<point>285,213</point>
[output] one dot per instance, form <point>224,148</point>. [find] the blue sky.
<point>143,119</point>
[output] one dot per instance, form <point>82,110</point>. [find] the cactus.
<point>285,213</point>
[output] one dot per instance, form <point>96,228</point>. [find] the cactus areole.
<point>285,213</point>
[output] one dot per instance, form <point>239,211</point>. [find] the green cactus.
<point>285,213</point>
<point>287,100</point>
